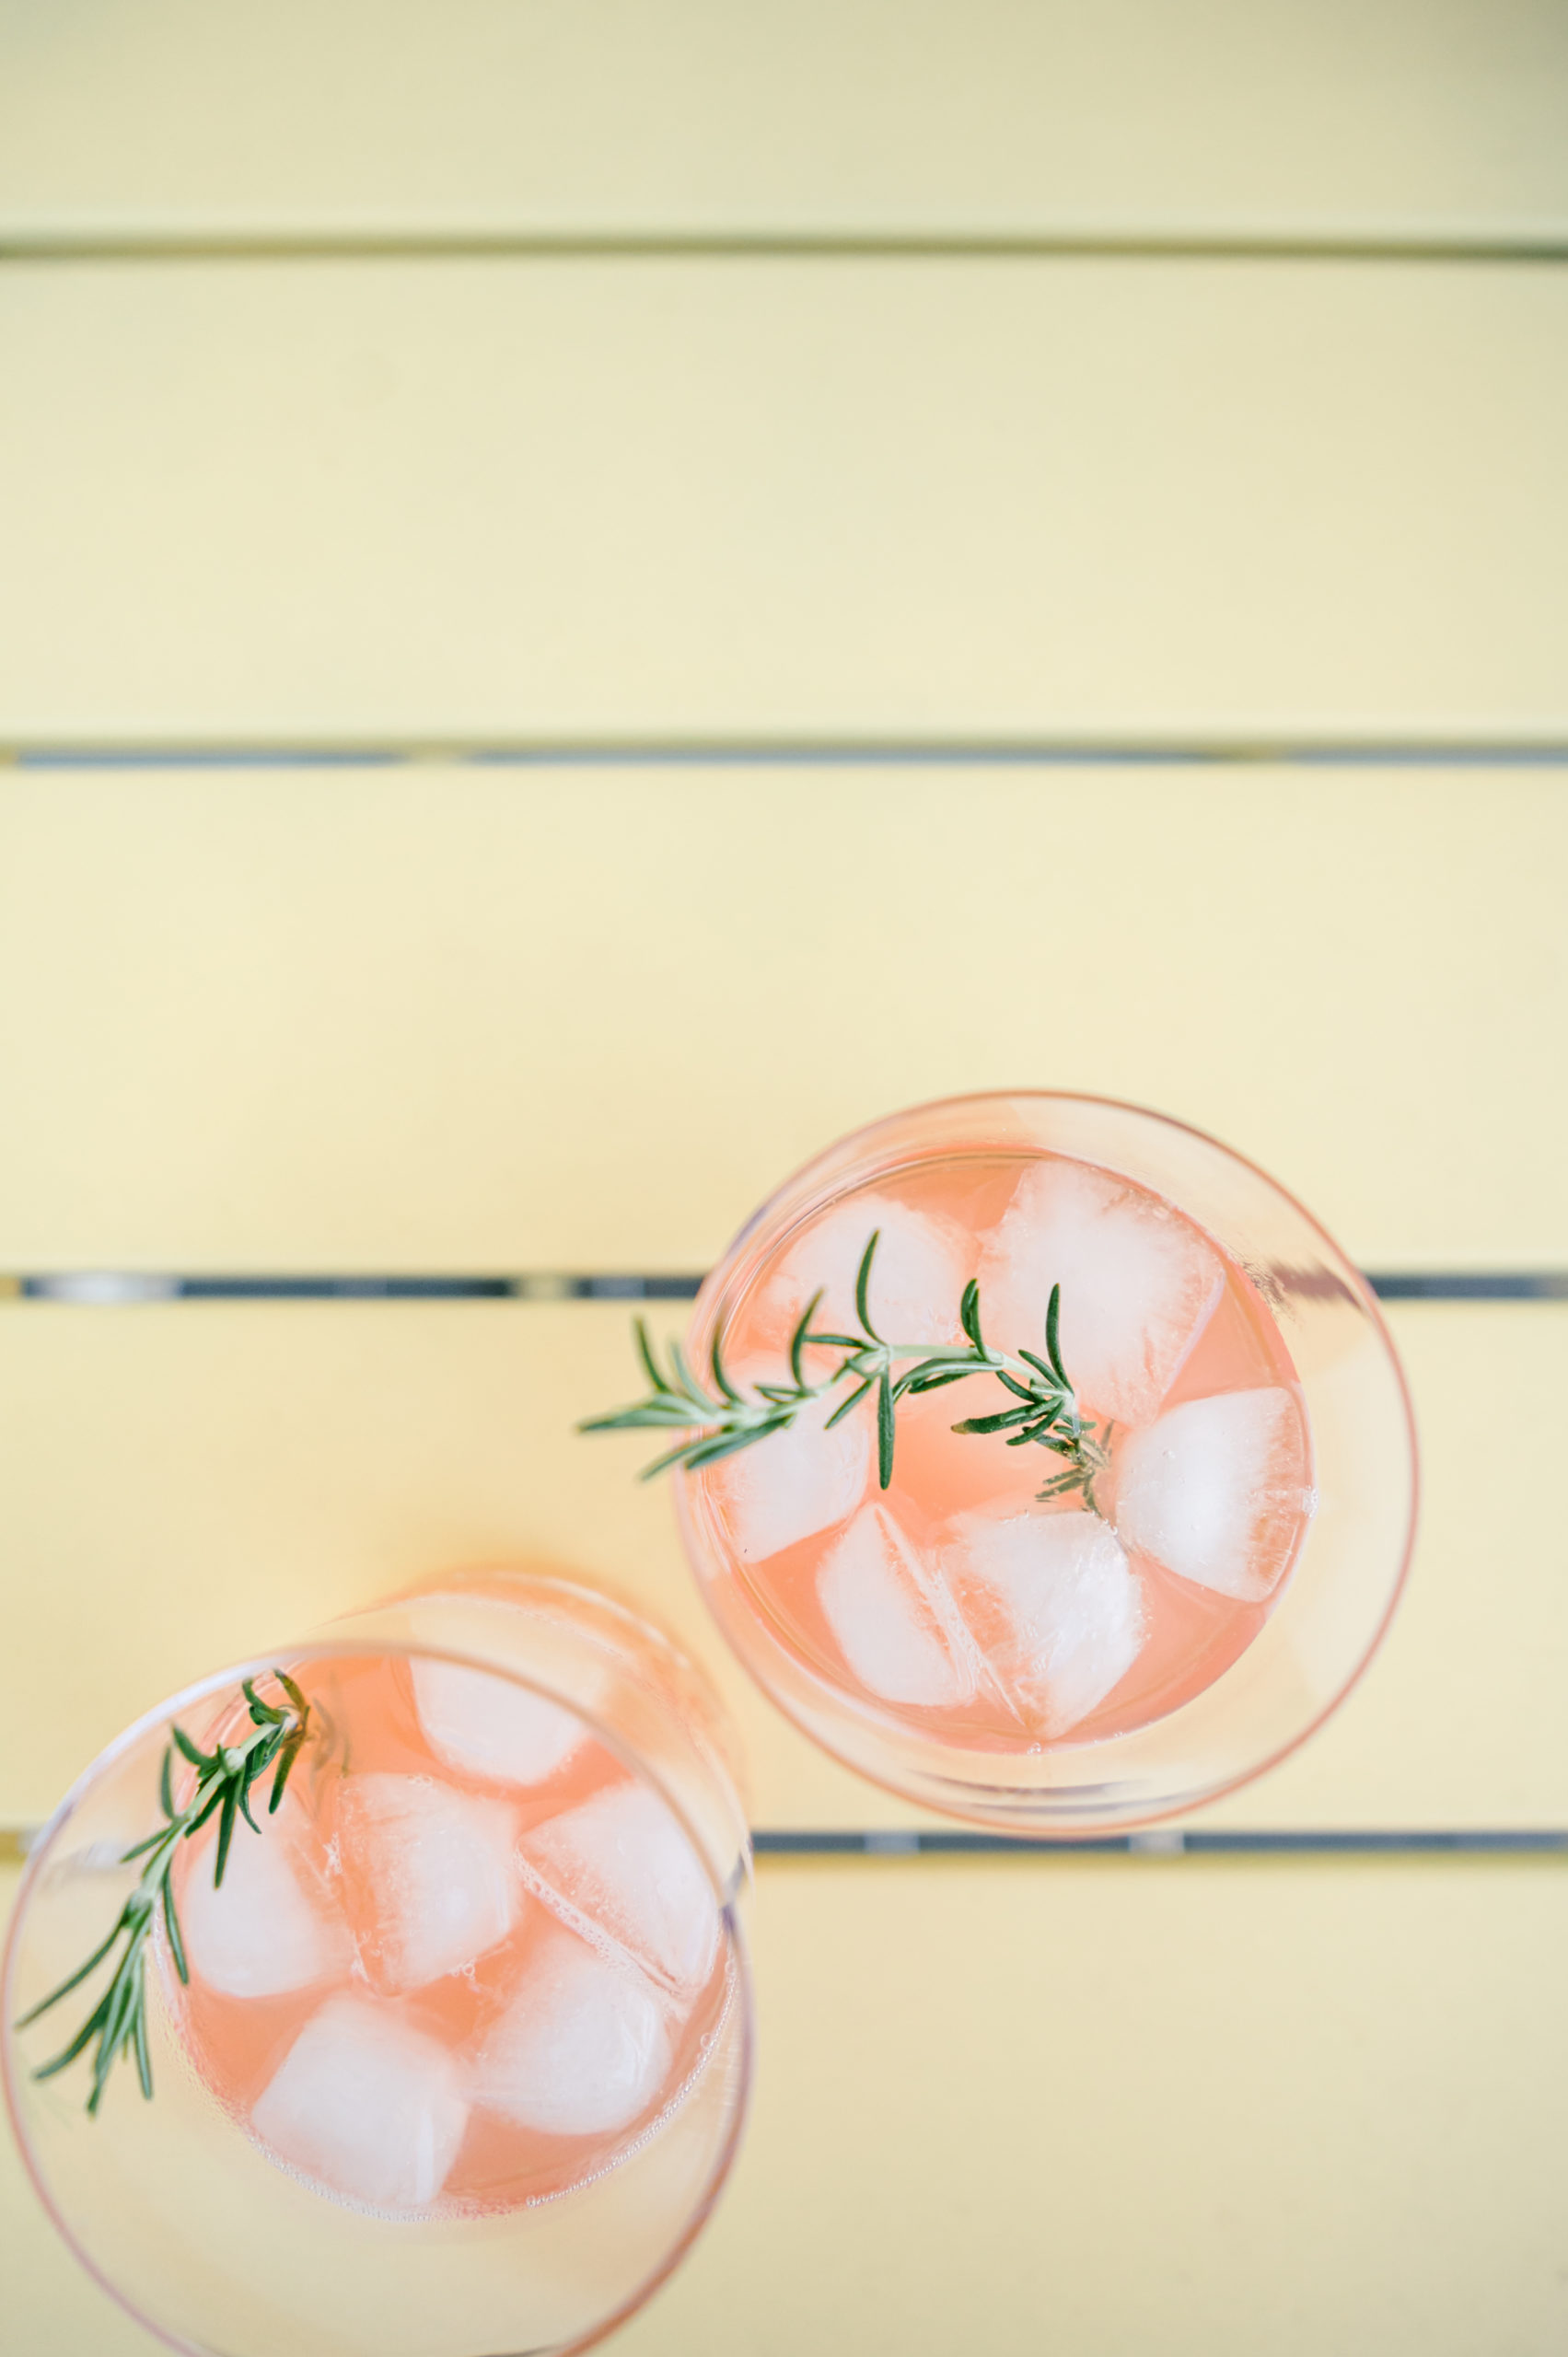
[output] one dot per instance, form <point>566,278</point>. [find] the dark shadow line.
<point>35,246</point>
<point>115,1288</point>
<point>198,757</point>
<point>1165,1841</point>
<point>1245,751</point>
<point>1454,1285</point>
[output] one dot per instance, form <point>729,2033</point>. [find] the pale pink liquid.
<point>1194,1635</point>
<point>367,1723</point>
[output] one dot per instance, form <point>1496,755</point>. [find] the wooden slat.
<point>1115,502</point>
<point>467,1019</point>
<point>1387,119</point>
<point>187,1484</point>
<point>1205,2116</point>
<point>1111,2107</point>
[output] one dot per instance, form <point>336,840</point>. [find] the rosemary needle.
<point>714,1422</point>
<point>225,1778</point>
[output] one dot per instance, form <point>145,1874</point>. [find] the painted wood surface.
<point>1021,379</point>
<point>459,1019</point>
<point>1159,120</point>
<point>1063,500</point>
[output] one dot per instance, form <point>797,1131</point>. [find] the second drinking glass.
<point>454,2059</point>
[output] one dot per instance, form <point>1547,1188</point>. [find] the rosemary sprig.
<point>226,1777</point>
<point>715,1424</point>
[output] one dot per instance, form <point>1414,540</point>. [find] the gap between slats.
<point>107,1288</point>
<point>1524,751</point>
<point>1175,245</point>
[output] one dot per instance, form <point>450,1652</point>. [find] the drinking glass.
<point>226,2243</point>
<point>1264,1673</point>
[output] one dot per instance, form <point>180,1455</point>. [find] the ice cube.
<point>434,1872</point>
<point>1055,1606</point>
<point>1216,1490</point>
<point>620,1870</point>
<point>886,1616</point>
<point>582,2049</point>
<point>1138,1284</point>
<point>796,1482</point>
<point>917,1277</point>
<point>488,1727</point>
<point>365,2105</point>
<point>271,1925</point>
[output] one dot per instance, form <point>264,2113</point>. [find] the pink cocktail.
<point>1003,1618</point>
<point>454,2056</point>
<point>1068,1620</point>
<point>464,1975</point>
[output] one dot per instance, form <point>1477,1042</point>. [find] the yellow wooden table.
<point>544,549</point>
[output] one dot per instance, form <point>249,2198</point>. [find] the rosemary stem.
<point>713,1425</point>
<point>940,1354</point>
<point>223,1778</point>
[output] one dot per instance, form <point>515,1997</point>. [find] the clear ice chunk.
<point>887,1616</point>
<point>582,2049</point>
<point>434,1873</point>
<point>917,1277</point>
<point>1056,1608</point>
<point>366,2105</point>
<point>1215,1491</point>
<point>796,1483</point>
<point>488,1728</point>
<point>271,1926</point>
<point>1138,1284</point>
<point>622,1872</point>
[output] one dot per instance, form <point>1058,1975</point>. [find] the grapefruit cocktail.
<point>1042,1458</point>
<point>427,1962</point>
